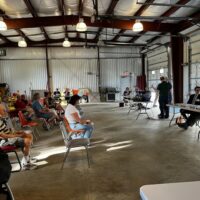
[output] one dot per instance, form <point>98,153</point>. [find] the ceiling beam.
<point>72,20</point>
<point>138,13</point>
<point>185,24</point>
<point>172,10</point>
<point>143,8</point>
<point>52,41</point>
<point>108,11</point>
<point>34,14</point>
<point>169,12</point>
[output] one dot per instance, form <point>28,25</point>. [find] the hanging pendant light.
<point>66,43</point>
<point>81,26</point>
<point>3,26</point>
<point>22,43</point>
<point>137,26</point>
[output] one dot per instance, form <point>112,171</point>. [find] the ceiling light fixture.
<point>137,26</point>
<point>3,26</point>
<point>66,43</point>
<point>22,43</point>
<point>153,72</point>
<point>81,26</point>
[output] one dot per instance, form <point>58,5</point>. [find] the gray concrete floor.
<point>125,154</point>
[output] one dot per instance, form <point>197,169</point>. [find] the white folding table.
<point>171,191</point>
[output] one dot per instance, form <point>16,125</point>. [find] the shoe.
<point>183,125</point>
<point>166,116</point>
<point>29,166</point>
<point>160,116</point>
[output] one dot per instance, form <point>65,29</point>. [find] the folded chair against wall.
<point>26,124</point>
<point>70,143</point>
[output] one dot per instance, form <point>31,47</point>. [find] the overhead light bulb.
<point>81,26</point>
<point>66,43</point>
<point>161,70</point>
<point>3,26</point>
<point>69,11</point>
<point>153,72</point>
<point>22,43</point>
<point>137,26</point>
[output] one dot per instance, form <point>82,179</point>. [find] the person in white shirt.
<point>74,118</point>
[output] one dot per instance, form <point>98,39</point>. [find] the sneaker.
<point>29,166</point>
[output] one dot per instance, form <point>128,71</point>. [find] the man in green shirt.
<point>164,93</point>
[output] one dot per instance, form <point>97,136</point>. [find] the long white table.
<point>171,191</point>
<point>189,107</point>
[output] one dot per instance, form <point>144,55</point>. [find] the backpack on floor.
<point>5,168</point>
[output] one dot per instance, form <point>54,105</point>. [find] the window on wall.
<point>195,76</point>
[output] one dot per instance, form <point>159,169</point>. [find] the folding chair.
<point>32,125</point>
<point>12,149</point>
<point>70,143</point>
<point>5,189</point>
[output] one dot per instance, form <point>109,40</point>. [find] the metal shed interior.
<point>108,44</point>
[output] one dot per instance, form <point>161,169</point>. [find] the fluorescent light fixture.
<point>3,26</point>
<point>81,26</point>
<point>66,43</point>
<point>137,26</point>
<point>22,43</point>
<point>153,72</point>
<point>161,70</point>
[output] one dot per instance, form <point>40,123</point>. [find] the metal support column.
<point>177,68</point>
<point>48,71</point>
<point>143,69</point>
<point>99,71</point>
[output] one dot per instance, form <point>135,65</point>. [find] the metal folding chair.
<point>70,143</point>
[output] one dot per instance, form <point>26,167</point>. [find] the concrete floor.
<point>125,154</point>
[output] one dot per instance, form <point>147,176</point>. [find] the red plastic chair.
<point>32,125</point>
<point>12,149</point>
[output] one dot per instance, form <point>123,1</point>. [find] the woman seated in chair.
<point>50,103</point>
<point>42,112</point>
<point>75,121</point>
<point>19,139</point>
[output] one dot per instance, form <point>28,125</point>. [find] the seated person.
<point>193,116</point>
<point>19,139</point>
<point>22,105</point>
<point>57,94</point>
<point>50,103</point>
<point>4,113</point>
<point>75,120</point>
<point>126,95</point>
<point>67,94</point>
<point>42,112</point>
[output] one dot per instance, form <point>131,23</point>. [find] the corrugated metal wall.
<point>23,75</point>
<point>73,73</point>
<point>23,68</point>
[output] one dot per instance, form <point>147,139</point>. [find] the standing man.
<point>164,91</point>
